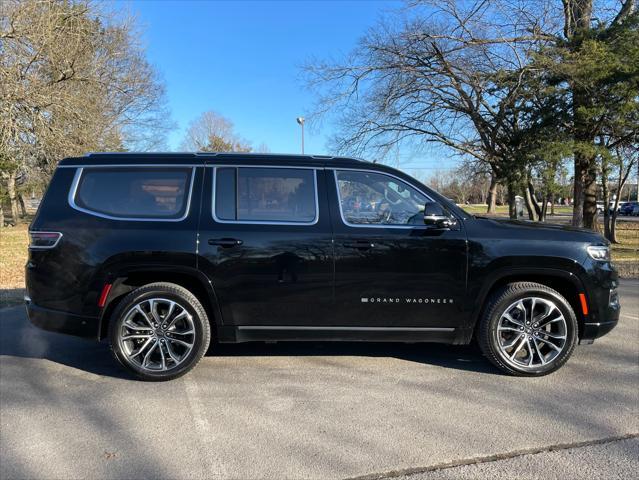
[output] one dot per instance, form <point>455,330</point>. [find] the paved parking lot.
<point>324,411</point>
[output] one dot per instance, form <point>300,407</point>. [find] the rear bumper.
<point>62,322</point>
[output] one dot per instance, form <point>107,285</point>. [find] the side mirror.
<point>436,216</point>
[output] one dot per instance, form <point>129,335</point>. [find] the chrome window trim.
<point>381,225</point>
<point>30,247</point>
<point>76,183</point>
<point>264,222</point>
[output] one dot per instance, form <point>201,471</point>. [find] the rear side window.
<point>140,193</point>
<point>265,195</point>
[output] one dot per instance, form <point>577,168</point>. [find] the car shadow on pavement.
<point>21,339</point>
<point>459,357</point>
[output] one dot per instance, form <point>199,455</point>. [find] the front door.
<point>265,244</point>
<point>390,269</point>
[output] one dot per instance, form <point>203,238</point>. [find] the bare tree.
<point>211,132</point>
<point>625,159</point>
<point>466,75</point>
<point>452,74</point>
<point>72,79</point>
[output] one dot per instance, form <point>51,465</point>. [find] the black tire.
<point>188,302</point>
<point>497,304</point>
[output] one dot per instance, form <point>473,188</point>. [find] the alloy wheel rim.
<point>157,334</point>
<point>531,333</point>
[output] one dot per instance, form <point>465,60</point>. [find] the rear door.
<point>390,269</point>
<point>265,243</point>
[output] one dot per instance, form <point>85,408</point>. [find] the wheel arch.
<point>123,282</point>
<point>564,282</point>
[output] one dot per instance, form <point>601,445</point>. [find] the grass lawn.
<point>13,257</point>
<point>14,241</point>
<point>480,209</point>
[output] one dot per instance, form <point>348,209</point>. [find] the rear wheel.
<point>527,329</point>
<point>159,331</point>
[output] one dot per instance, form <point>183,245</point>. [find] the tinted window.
<point>134,192</point>
<point>225,183</point>
<point>368,198</point>
<point>265,194</point>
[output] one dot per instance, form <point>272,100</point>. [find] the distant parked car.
<point>635,211</point>
<point>600,207</point>
<point>627,207</point>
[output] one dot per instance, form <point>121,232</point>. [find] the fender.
<point>484,286</point>
<point>180,274</point>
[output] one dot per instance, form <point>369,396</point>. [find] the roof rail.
<point>89,154</point>
<point>214,154</point>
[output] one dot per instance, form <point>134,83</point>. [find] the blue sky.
<point>243,58</point>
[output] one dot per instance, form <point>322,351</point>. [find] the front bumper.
<point>603,299</point>
<point>596,330</point>
<point>62,322</point>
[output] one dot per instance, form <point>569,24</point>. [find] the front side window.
<point>153,193</point>
<point>368,198</point>
<point>268,195</point>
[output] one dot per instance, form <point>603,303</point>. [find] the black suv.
<point>159,253</point>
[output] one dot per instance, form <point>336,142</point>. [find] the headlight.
<point>598,252</point>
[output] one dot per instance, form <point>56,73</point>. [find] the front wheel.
<point>527,329</point>
<point>159,331</point>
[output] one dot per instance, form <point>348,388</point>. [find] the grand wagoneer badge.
<point>405,300</point>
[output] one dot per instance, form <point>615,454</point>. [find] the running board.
<point>253,333</point>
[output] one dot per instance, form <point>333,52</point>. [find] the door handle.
<point>360,245</point>
<point>225,242</point>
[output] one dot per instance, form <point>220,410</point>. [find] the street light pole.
<point>300,120</point>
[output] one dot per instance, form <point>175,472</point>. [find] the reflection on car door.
<point>390,270</point>
<point>265,244</point>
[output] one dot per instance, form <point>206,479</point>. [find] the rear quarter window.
<point>132,193</point>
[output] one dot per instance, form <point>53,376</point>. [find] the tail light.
<point>44,240</point>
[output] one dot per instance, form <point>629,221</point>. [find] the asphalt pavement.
<point>318,411</point>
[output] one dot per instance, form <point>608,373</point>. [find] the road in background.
<point>315,410</point>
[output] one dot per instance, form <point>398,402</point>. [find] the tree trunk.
<point>590,196</point>
<point>533,201</point>
<point>552,205</point>
<point>606,196</point>
<point>1,214</point>
<point>606,218</point>
<point>529,205</point>
<point>578,192</point>
<point>544,208</point>
<point>23,208</point>
<point>11,190</point>
<point>577,19</point>
<point>492,195</point>
<point>613,227</point>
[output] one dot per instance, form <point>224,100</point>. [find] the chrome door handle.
<point>360,245</point>
<point>225,242</point>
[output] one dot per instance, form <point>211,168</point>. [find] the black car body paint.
<point>323,279</point>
